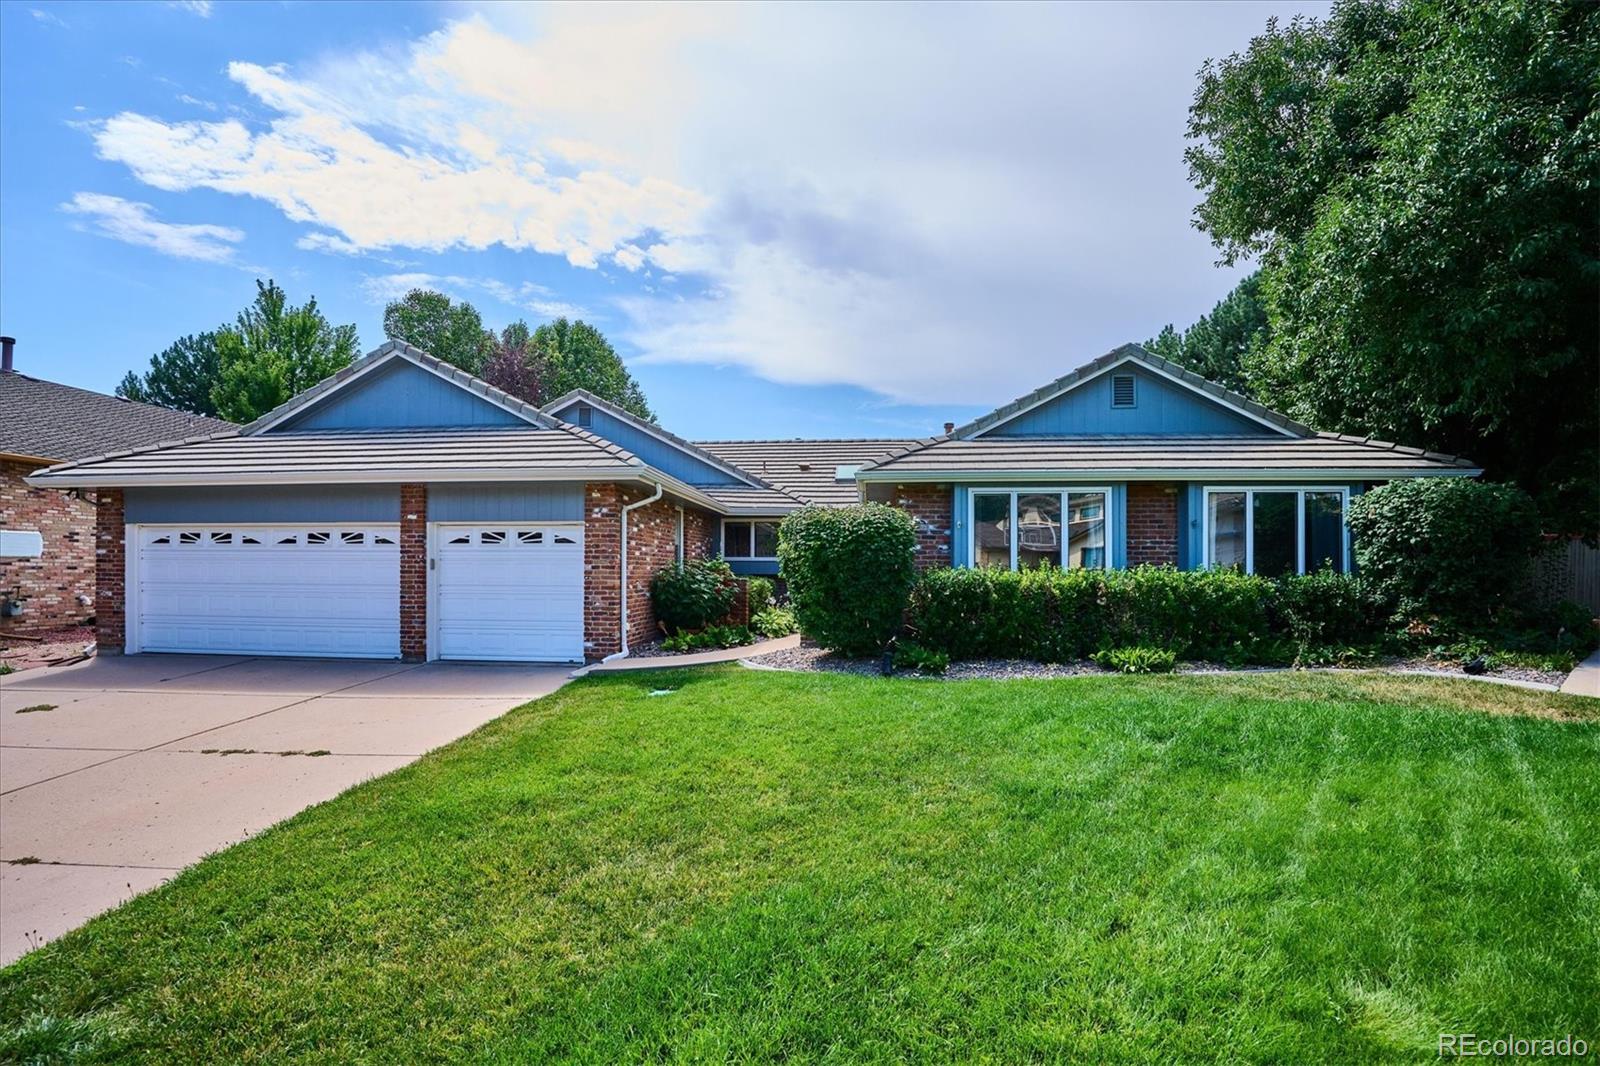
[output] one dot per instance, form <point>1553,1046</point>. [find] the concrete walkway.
<point>118,772</point>
<point>1585,680</point>
<point>699,658</point>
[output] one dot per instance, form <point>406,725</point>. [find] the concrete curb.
<point>701,658</point>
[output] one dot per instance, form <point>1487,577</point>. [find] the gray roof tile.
<point>804,468</point>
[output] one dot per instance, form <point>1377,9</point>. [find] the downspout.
<point>626,508</point>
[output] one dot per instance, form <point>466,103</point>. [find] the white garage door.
<point>326,590</point>
<point>510,592</point>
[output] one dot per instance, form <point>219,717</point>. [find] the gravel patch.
<point>654,650</point>
<point>51,647</point>
<point>814,659</point>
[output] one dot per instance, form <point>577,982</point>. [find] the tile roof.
<point>1327,453</point>
<point>805,468</point>
<point>59,423</point>
<point>387,455</point>
<point>752,499</point>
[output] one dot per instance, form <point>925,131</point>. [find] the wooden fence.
<point>1568,570</point>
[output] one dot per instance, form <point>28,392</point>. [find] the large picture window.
<point>1028,528</point>
<point>1276,531</point>
<point>750,540</point>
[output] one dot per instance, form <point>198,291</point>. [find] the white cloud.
<point>193,7</point>
<point>527,296</point>
<point>135,223</point>
<point>943,204</point>
<point>47,18</point>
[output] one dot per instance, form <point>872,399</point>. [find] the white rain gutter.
<point>626,509</point>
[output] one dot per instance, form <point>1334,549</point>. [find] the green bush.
<point>1326,609</point>
<point>760,594</point>
<point>849,571</point>
<point>1137,660</point>
<point>909,655</point>
<point>1448,548</point>
<point>772,622</point>
<point>708,638</point>
<point>693,595</point>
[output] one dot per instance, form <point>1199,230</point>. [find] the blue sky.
<point>792,221</point>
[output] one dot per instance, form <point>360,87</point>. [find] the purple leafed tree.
<point>514,368</point>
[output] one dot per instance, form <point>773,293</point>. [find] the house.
<point>47,566</point>
<point>404,509</point>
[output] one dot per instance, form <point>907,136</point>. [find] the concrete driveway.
<point>118,772</point>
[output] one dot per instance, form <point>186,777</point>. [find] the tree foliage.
<point>579,356</point>
<point>516,366</point>
<point>181,377</point>
<point>1215,347</point>
<point>1419,182</point>
<point>444,329</point>
<point>275,350</point>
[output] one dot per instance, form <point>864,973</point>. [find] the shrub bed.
<point>693,595</point>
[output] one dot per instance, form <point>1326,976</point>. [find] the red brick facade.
<point>56,590</point>
<point>652,546</point>
<point>1152,533</point>
<point>413,572</point>
<point>931,508</point>
<point>111,574</point>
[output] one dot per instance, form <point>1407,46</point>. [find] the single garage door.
<point>509,592</point>
<point>321,590</point>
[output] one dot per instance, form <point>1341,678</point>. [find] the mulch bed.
<point>52,647</point>
<point>809,657</point>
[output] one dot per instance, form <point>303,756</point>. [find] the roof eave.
<point>889,474</point>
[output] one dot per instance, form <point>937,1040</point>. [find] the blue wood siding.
<point>749,567</point>
<point>265,503</point>
<point>506,502</point>
<point>401,395</point>
<point>1161,409</point>
<point>665,457</point>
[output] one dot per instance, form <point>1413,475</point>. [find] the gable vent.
<point>585,415</point>
<point>1122,390</point>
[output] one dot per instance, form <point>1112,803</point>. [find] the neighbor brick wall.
<point>930,507</point>
<point>413,572</point>
<point>50,586</point>
<point>1152,534</point>
<point>111,573</point>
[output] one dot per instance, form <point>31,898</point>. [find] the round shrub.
<point>694,594</point>
<point>849,571</point>
<point>1447,547</point>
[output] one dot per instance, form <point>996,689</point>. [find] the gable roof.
<point>806,468</point>
<point>1133,353</point>
<point>672,440</point>
<point>50,422</point>
<point>383,355</point>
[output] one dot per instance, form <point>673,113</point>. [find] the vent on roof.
<point>1122,390</point>
<point>585,415</point>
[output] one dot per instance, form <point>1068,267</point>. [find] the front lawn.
<point>759,865</point>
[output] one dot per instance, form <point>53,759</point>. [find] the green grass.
<point>756,865</point>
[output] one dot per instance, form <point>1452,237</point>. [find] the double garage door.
<point>503,592</point>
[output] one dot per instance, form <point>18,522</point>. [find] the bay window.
<point>757,539</point>
<point>1028,528</point>
<point>1276,531</point>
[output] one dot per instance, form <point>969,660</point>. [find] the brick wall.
<point>930,507</point>
<point>57,589</point>
<point>602,570</point>
<point>111,573</point>
<point>652,546</point>
<point>701,534</point>
<point>1152,533</point>
<point>413,572</point>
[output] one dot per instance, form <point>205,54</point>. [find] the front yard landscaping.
<point>727,863</point>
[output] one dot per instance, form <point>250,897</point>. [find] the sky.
<point>821,221</point>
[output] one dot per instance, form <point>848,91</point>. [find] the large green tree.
<point>1420,181</point>
<point>441,327</point>
<point>275,350</point>
<point>180,377</point>
<point>1216,345</point>
<point>578,356</point>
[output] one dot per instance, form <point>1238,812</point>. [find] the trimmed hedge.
<point>1053,615</point>
<point>849,571</point>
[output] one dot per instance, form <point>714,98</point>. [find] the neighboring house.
<point>42,423</point>
<point>406,509</point>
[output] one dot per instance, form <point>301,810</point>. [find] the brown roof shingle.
<point>60,423</point>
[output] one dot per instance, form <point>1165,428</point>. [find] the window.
<point>750,540</point>
<point>1122,394</point>
<point>1038,527</point>
<point>1276,531</point>
<point>846,472</point>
